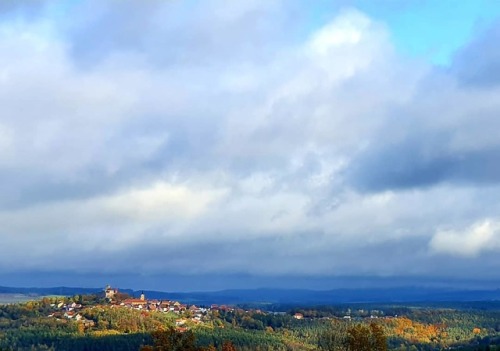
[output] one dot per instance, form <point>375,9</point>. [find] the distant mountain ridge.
<point>287,296</point>
<point>60,290</point>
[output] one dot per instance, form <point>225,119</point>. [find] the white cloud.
<point>470,242</point>
<point>346,30</point>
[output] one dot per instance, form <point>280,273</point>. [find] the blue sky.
<point>249,142</point>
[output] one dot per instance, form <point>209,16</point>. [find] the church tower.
<point>143,298</point>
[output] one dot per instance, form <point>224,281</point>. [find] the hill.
<point>287,296</point>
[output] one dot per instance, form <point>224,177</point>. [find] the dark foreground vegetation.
<point>39,325</point>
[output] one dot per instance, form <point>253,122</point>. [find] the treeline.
<point>27,326</point>
<point>357,337</point>
<point>172,340</point>
<point>242,339</point>
<point>54,342</point>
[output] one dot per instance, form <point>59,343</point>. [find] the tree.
<point>359,338</point>
<point>228,346</point>
<point>363,338</point>
<point>378,338</point>
<point>172,340</point>
<point>333,339</point>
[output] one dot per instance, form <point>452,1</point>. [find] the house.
<point>165,306</point>
<point>137,303</point>
<point>74,305</point>
<point>298,316</point>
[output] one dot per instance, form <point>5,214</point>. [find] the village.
<point>192,314</point>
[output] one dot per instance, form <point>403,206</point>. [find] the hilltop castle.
<point>110,292</point>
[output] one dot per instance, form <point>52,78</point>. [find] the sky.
<point>204,145</point>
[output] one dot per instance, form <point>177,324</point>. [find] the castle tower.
<point>110,292</point>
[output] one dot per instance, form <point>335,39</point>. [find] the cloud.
<point>345,31</point>
<point>443,134</point>
<point>477,63</point>
<point>27,9</point>
<point>210,139</point>
<point>102,225</point>
<point>171,34</point>
<point>470,242</point>
<point>412,163</point>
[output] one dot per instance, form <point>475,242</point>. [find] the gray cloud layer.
<point>215,139</point>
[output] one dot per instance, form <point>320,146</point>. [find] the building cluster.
<point>70,311</point>
<point>142,303</point>
<point>196,313</point>
<point>192,314</point>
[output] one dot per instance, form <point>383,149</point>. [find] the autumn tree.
<point>228,346</point>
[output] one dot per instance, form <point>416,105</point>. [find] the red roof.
<point>134,301</point>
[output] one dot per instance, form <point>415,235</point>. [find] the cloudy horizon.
<point>277,140</point>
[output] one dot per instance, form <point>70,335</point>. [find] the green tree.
<point>172,340</point>
<point>363,338</point>
<point>334,338</point>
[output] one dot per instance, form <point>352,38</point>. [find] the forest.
<point>34,325</point>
